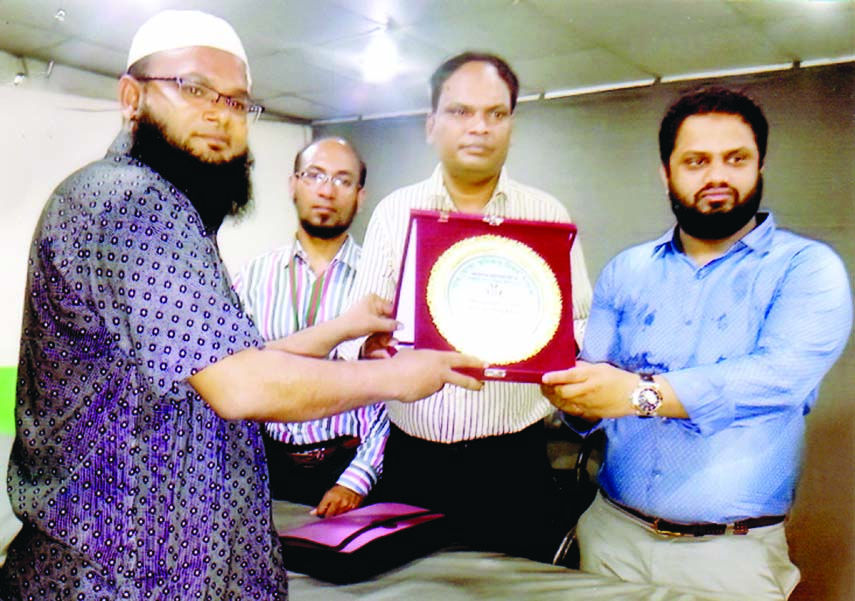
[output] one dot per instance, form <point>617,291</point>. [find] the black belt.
<point>317,453</point>
<point>703,529</point>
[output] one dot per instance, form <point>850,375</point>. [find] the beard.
<point>327,231</point>
<point>716,225</point>
<point>324,232</point>
<point>215,189</point>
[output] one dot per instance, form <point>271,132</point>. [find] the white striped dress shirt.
<point>454,413</point>
<point>264,286</point>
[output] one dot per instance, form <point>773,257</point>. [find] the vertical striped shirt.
<point>454,413</point>
<point>283,295</point>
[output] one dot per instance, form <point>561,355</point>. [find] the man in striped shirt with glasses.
<point>330,463</point>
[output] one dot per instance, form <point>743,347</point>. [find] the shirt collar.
<point>348,254</point>
<point>121,144</point>
<point>759,239</point>
<point>439,193</point>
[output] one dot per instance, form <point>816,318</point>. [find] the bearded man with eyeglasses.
<point>330,463</point>
<point>138,469</point>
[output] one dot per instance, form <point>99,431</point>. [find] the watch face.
<point>648,400</point>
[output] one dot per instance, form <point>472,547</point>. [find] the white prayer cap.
<point>173,29</point>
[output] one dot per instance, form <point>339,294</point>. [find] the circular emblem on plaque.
<point>494,298</point>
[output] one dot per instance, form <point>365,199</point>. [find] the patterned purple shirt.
<point>128,484</point>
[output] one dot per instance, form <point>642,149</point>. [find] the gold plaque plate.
<point>494,298</point>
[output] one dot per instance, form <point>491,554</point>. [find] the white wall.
<point>273,219</point>
<point>45,137</point>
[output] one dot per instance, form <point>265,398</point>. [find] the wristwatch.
<point>646,398</point>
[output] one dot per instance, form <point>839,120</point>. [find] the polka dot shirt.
<point>128,484</point>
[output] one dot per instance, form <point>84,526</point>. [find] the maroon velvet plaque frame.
<point>519,264</point>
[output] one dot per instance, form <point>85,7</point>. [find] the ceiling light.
<point>726,72</point>
<point>19,79</point>
<point>380,59</point>
<point>59,15</point>
<point>819,62</point>
<point>608,87</point>
<point>345,119</point>
<point>395,115</point>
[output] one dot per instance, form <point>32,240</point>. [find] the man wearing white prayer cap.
<point>138,469</point>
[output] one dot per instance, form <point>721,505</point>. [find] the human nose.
<point>479,123</point>
<point>217,112</point>
<point>326,187</point>
<point>718,171</point>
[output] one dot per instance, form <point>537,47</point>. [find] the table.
<point>455,575</point>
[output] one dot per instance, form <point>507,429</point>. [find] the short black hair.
<point>448,68</point>
<point>707,100</point>
<point>363,169</point>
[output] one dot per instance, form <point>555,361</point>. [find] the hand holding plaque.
<point>498,289</point>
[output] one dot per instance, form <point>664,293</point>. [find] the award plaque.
<point>498,289</point>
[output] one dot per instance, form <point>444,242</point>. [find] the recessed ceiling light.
<point>380,59</point>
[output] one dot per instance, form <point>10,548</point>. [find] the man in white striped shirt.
<point>480,457</point>
<point>330,463</point>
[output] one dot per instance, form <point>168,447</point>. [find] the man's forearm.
<point>317,341</point>
<point>271,385</point>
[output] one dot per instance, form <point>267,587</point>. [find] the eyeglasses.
<point>194,91</point>
<point>319,178</point>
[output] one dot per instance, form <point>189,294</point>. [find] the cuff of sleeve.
<point>709,411</point>
<point>357,479</point>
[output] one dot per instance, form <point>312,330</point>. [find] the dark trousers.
<point>301,479</point>
<point>498,492</point>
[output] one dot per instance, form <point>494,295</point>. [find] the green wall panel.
<point>7,400</point>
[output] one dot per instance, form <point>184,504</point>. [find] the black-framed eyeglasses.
<point>319,178</point>
<point>194,91</point>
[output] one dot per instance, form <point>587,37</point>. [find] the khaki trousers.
<point>753,566</point>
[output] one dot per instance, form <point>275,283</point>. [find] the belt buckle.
<point>738,528</point>
<point>665,532</point>
<point>310,458</point>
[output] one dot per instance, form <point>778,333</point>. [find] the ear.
<point>130,97</point>
<point>429,124</point>
<point>360,199</point>
<point>292,183</point>
<point>663,175</point>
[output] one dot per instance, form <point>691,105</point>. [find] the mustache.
<point>718,186</point>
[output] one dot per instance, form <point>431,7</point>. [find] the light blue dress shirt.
<point>744,341</point>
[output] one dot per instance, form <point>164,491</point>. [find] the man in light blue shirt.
<point>704,351</point>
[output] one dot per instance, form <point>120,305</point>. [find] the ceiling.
<point>306,55</point>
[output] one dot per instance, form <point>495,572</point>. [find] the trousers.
<point>305,480</point>
<point>497,492</point>
<point>753,566</point>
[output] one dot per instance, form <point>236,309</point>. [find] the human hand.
<point>336,500</point>
<point>369,315</point>
<point>590,390</point>
<point>421,373</point>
